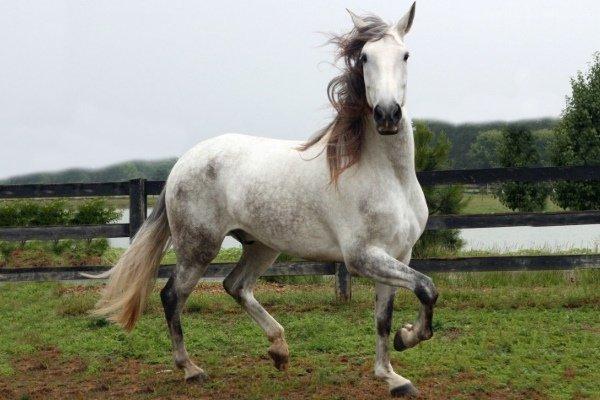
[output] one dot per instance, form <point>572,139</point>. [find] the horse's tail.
<point>132,278</point>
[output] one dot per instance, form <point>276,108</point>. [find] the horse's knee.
<point>425,290</point>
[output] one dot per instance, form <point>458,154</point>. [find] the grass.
<point>484,203</point>
<point>498,335</point>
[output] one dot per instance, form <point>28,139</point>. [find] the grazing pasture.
<point>531,335</point>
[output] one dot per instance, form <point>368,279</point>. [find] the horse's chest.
<point>397,224</point>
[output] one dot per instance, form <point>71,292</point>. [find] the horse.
<point>350,194</point>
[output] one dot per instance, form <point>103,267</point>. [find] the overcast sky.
<point>90,83</point>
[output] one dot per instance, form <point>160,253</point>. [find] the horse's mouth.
<point>387,131</point>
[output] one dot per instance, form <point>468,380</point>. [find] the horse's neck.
<point>395,152</point>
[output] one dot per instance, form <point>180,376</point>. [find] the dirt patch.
<point>591,328</point>
<point>452,333</point>
<point>202,287</point>
<point>49,375</point>
<point>78,289</point>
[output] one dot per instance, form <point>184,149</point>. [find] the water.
<point>528,237</point>
<point>500,239</point>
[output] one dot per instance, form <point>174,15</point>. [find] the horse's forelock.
<point>347,95</point>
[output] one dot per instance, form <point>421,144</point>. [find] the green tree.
<point>578,139</point>
<point>544,142</point>
<point>483,153</point>
<point>517,149</point>
<point>431,153</point>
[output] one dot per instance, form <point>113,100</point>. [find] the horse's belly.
<point>296,235</point>
<point>295,228</point>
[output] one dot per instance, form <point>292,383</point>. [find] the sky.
<point>87,84</point>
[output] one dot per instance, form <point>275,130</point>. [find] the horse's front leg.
<point>375,263</point>
<point>384,308</point>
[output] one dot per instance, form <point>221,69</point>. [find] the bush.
<point>95,212</point>
<point>54,212</point>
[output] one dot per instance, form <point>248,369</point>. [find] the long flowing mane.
<point>346,93</point>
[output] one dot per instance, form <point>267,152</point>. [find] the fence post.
<point>343,283</point>
<point>138,206</point>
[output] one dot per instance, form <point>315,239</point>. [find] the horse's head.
<point>384,67</point>
<point>371,87</point>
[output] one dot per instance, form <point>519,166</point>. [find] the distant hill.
<point>461,136</point>
<point>151,170</point>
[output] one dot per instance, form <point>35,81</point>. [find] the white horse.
<point>349,194</point>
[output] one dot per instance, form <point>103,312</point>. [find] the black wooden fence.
<point>138,191</point>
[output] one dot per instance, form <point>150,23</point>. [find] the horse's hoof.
<point>399,343</point>
<point>406,390</point>
<point>280,355</point>
<point>197,379</point>
<point>281,361</point>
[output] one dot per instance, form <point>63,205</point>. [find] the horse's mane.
<point>346,93</point>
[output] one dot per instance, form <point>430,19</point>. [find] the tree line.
<point>462,137</point>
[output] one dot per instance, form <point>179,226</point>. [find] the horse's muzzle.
<point>387,118</point>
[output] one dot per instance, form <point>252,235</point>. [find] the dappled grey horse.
<point>348,194</point>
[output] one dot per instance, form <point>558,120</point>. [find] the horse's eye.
<point>363,58</point>
<point>406,56</point>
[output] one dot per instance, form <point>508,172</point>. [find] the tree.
<point>462,136</point>
<point>483,153</point>
<point>517,149</point>
<point>578,139</point>
<point>544,141</point>
<point>431,153</point>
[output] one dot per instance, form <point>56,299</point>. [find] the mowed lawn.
<point>498,336</point>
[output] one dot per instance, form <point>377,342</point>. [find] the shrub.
<point>54,212</point>
<point>94,212</point>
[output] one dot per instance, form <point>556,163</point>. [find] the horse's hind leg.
<point>173,296</point>
<point>256,258</point>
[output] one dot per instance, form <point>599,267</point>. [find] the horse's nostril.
<point>378,114</point>
<point>396,113</point>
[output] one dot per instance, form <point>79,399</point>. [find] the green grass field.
<point>483,203</point>
<point>498,336</point>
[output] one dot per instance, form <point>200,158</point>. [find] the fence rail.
<point>305,268</point>
<point>138,191</point>
<point>486,176</point>
<point>435,222</point>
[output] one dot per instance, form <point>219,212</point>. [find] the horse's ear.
<point>356,20</point>
<point>403,26</point>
